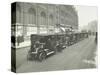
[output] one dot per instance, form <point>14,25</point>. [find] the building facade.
<point>37,18</point>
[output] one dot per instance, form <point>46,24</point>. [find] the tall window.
<point>31,28</point>
<point>18,13</point>
<point>43,18</point>
<point>19,26</point>
<point>32,16</point>
<point>50,19</point>
<point>43,23</point>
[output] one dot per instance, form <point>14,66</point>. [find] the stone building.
<point>36,18</point>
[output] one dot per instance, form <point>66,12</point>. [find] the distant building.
<point>92,26</point>
<point>36,18</point>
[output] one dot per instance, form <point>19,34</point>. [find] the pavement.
<point>81,55</point>
<point>23,44</point>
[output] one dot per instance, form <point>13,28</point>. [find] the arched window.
<point>50,19</point>
<point>43,18</point>
<point>32,16</point>
<point>18,13</point>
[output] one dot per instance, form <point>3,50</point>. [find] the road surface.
<point>78,56</point>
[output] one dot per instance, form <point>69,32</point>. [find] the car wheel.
<point>42,56</point>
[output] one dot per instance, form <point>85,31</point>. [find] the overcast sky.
<point>86,14</point>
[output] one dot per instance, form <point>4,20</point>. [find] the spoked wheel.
<point>42,56</point>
